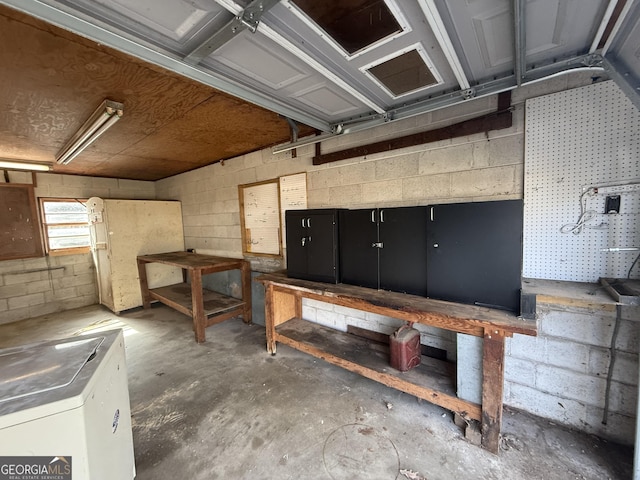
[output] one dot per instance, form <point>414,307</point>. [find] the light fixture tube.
<point>108,113</point>
<point>12,165</point>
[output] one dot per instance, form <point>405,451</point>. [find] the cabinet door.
<point>403,256</point>
<point>475,253</point>
<point>358,254</point>
<point>322,247</point>
<point>296,243</point>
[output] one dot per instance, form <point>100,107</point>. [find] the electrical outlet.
<point>612,204</point>
<point>631,187</point>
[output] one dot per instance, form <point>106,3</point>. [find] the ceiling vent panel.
<point>404,72</point>
<point>354,26</point>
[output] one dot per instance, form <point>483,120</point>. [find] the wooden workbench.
<point>432,381</point>
<point>204,306</point>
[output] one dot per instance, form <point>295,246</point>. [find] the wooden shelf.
<point>178,296</point>
<point>433,380</point>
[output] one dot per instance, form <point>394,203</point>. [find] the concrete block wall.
<point>561,374</point>
<point>37,286</point>
<point>474,168</point>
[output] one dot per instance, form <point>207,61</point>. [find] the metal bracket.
<point>248,19</point>
<point>468,93</point>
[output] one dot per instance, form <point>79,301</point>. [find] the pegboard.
<point>575,140</point>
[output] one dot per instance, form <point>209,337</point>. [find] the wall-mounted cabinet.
<point>475,253</point>
<point>312,244</point>
<point>464,252</point>
<point>385,248</point>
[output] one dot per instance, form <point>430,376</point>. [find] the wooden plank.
<point>222,317</point>
<point>269,318</point>
<point>189,260</point>
<point>569,294</point>
<point>492,388</point>
<point>245,272</point>
<point>469,319</point>
<point>179,295</point>
<point>492,121</point>
<point>433,380</point>
<point>197,305</point>
<point>144,284</point>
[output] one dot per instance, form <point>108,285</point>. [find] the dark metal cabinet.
<point>385,248</point>
<point>475,253</point>
<point>312,245</point>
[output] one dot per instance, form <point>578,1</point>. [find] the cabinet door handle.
<point>373,216</point>
<point>432,214</point>
<point>381,216</point>
<point>303,225</point>
<point>309,225</point>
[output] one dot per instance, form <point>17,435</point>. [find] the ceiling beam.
<point>66,20</point>
<point>442,36</point>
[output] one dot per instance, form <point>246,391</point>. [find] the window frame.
<point>45,234</point>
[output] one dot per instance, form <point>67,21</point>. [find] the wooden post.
<point>197,304</point>
<point>144,285</point>
<point>492,388</point>
<point>269,320</point>
<point>246,291</point>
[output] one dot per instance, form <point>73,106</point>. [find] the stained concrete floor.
<point>228,410</point>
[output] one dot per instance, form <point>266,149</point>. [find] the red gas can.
<point>405,349</point>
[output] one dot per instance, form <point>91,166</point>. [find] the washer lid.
<point>35,369</point>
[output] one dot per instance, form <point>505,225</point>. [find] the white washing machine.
<point>69,399</point>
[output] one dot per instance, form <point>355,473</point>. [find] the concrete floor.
<point>228,410</point>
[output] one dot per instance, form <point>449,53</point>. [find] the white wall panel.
<point>577,139</point>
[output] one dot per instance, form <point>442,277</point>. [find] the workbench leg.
<point>246,291</point>
<point>197,305</point>
<point>144,285</point>
<point>492,388</point>
<point>269,319</point>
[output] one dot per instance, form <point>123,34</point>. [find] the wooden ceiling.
<point>53,80</point>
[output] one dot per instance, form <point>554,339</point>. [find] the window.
<point>66,225</point>
<point>353,24</point>
<point>404,73</point>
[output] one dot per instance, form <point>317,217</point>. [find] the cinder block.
<point>38,287</point>
<point>4,305</point>
<point>21,278</point>
<point>9,291</point>
<point>487,181</point>
<point>318,198</point>
<point>84,268</point>
<point>628,336</point>
<point>331,319</point>
<point>580,327</point>
<point>520,371</point>
<point>619,428</point>
<point>444,160</point>
<point>565,411</point>
<point>346,196</point>
<point>624,370</point>
<point>469,367</point>
<point>9,316</point>
<point>349,312</point>
<point>26,301</point>
<point>385,191</point>
<point>397,167</point>
<point>527,347</point>
<point>506,150</point>
<point>421,189</point>
<point>60,294</point>
<point>566,384</point>
<point>570,355</point>
<point>88,290</point>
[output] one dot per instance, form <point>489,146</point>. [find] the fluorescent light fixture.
<point>108,113</point>
<point>13,165</point>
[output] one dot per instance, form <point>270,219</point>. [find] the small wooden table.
<point>433,381</point>
<point>204,306</point>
